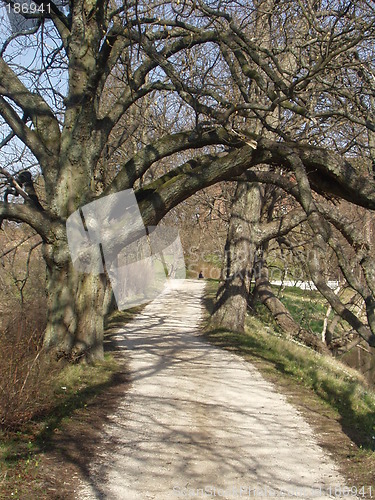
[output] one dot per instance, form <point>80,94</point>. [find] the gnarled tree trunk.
<point>75,316</point>
<point>231,301</point>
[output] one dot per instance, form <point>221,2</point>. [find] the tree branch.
<point>277,228</point>
<point>156,199</point>
<point>26,213</point>
<point>32,105</point>
<point>162,148</point>
<point>328,172</point>
<point>29,137</point>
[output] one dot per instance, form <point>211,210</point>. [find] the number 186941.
<point>29,8</point>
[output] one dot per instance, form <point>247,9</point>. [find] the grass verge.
<point>20,451</point>
<point>332,389</point>
<point>337,385</point>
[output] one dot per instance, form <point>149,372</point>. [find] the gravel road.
<point>199,422</point>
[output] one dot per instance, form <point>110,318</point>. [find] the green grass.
<point>76,386</point>
<point>118,318</point>
<point>306,306</point>
<point>339,386</point>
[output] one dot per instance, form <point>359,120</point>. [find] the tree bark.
<point>231,301</point>
<point>75,309</point>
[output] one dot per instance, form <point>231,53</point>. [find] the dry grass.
<point>24,371</point>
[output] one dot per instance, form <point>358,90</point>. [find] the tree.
<point>93,64</point>
<point>240,250</point>
<point>291,62</point>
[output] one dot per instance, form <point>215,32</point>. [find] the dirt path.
<point>199,422</point>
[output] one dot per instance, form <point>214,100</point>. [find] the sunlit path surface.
<point>199,422</point>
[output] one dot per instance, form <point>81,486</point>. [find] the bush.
<point>25,371</point>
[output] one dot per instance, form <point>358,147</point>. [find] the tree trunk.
<point>75,314</point>
<point>283,317</point>
<point>231,300</point>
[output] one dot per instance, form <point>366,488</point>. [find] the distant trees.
<point>171,97</point>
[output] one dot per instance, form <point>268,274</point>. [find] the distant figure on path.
<point>200,275</point>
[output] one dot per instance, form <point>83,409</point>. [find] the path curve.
<point>198,421</point>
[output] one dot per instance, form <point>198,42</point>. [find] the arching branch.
<point>38,220</point>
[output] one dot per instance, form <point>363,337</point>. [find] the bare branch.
<point>28,214</point>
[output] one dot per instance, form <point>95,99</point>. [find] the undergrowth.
<point>73,388</point>
<point>38,395</point>
<point>25,372</point>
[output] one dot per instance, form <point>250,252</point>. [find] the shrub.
<point>25,371</point>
